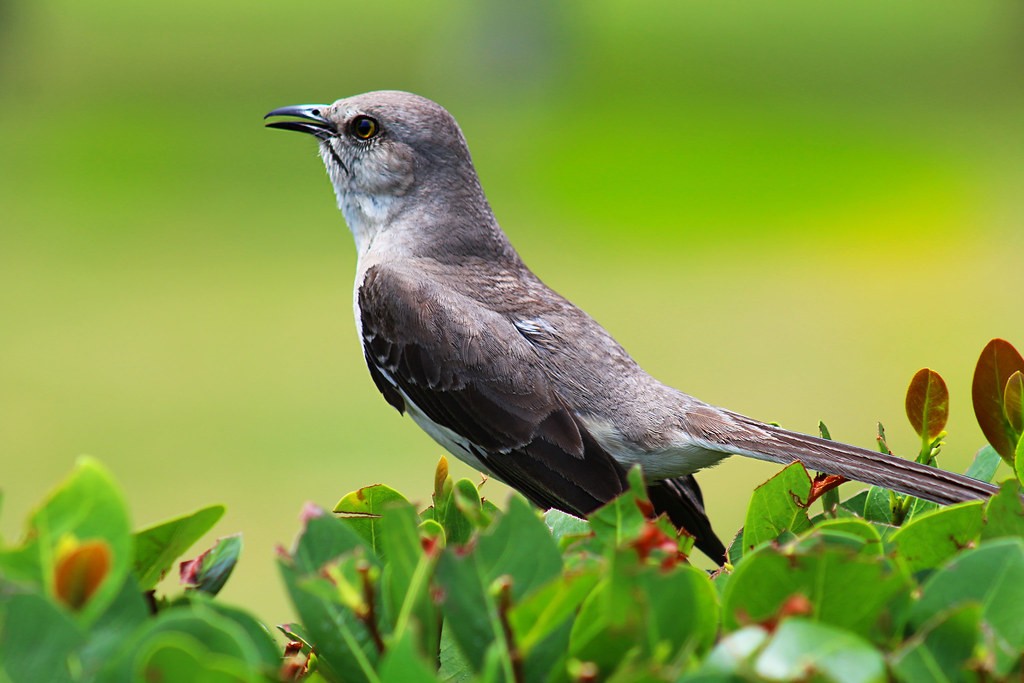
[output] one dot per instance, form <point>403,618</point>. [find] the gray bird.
<point>506,374</point>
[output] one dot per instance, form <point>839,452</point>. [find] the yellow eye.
<point>364,127</point>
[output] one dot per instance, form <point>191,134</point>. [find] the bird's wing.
<point>468,369</point>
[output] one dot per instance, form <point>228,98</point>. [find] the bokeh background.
<point>786,208</point>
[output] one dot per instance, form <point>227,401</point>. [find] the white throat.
<point>366,214</point>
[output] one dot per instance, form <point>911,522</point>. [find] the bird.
<point>508,375</point>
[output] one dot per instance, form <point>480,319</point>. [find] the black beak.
<point>314,123</point>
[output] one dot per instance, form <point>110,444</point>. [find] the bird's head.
<point>386,152</point>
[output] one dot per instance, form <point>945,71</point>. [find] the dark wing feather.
<point>468,369</point>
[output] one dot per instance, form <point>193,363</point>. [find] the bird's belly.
<point>683,455</point>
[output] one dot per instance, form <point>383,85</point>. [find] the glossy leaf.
<point>462,512</point>
<point>998,361</point>
<point>454,667</point>
<point>1018,463</point>
<point>471,615</point>
<point>1013,402</point>
<point>324,538</point>
<point>564,526</point>
<point>178,657</point>
<point>929,539</point>
<point>518,529</point>
<point>217,643</point>
<point>404,664</point>
<point>800,646</point>
<point>612,617</point>
<point>986,462</point>
<point>87,506</point>
<point>344,646</point>
<point>878,505</point>
<point>869,539</point>
<point>157,547</point>
<point>362,510</point>
<point>538,617</point>
<point>991,575</point>
<point>848,589</point>
<point>406,579</point>
<point>732,656</point>
<point>622,519</point>
<point>1004,512</point>
<point>37,639</point>
<point>927,404</point>
<point>636,609</point>
<point>941,650</point>
<point>778,505</point>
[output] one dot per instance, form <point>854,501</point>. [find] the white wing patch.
<point>537,331</point>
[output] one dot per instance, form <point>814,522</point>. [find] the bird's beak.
<point>314,122</point>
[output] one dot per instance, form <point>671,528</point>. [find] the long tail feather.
<point>859,464</point>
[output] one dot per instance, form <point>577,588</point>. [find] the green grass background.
<point>785,208</point>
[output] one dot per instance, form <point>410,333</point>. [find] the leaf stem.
<point>369,617</point>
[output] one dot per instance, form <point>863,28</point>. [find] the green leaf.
<point>778,505</point>
<point>157,547</point>
<point>1004,512</point>
<point>1018,461</point>
<point>685,589</point>
<point>324,538</point>
<point>178,657</point>
<point>37,638</point>
<point>217,643</point>
<point>800,646</point>
<point>87,506</point>
<point>454,668</point>
<point>1013,402</point>
<point>210,571</point>
<point>991,575</point>
<point>927,404</point>
<point>344,646</point>
<point>541,623</point>
<point>127,613</point>
<point>918,507</point>
<point>362,510</point>
<point>867,537</point>
<point>855,504</point>
<point>403,664</point>
<point>612,619</point>
<point>734,654</point>
<point>519,546</point>
<point>635,611</point>
<point>621,520</point>
<point>857,591</point>
<point>406,579</point>
<point>929,539</point>
<point>461,512</point>
<point>471,616</point>
<point>565,527</point>
<point>941,649</point>
<point>985,463</point>
<point>261,638</point>
<point>878,505</point>
<point>998,361</point>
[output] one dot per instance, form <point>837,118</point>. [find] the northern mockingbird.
<point>505,373</point>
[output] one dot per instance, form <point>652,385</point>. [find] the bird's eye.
<point>364,127</point>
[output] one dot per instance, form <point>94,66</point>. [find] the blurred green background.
<point>786,208</point>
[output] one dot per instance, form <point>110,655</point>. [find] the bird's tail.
<point>682,501</point>
<point>859,464</point>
